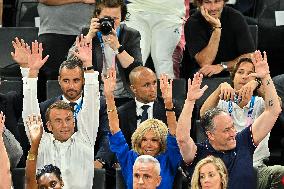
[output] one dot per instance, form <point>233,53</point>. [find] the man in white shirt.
<point>72,152</point>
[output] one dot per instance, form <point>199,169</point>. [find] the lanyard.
<point>251,106</point>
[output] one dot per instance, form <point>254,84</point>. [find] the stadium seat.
<point>52,89</point>
<point>99,179</point>
<point>26,13</point>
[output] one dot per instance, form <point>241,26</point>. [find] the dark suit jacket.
<point>103,122</point>
<point>11,104</point>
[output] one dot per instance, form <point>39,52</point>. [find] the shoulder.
<point>48,102</point>
<point>232,14</point>
<point>128,106</point>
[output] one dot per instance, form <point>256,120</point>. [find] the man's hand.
<point>35,127</point>
<point>246,91</point>
<point>226,92</point>
<point>111,40</point>
<point>94,28</point>
<point>166,89</point>
<point>260,65</point>
<point>2,122</point>
<point>98,164</point>
<point>89,1</point>
<point>214,22</point>
<point>109,82</point>
<point>84,51</point>
<point>22,50</point>
<point>194,91</point>
<point>35,61</point>
<point>209,70</point>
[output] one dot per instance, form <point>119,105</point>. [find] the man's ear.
<point>58,79</point>
<point>133,89</point>
<point>210,135</point>
<point>49,127</point>
<point>159,180</point>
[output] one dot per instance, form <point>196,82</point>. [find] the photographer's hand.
<point>112,40</point>
<point>94,28</point>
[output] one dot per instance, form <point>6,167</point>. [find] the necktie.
<point>73,104</point>
<point>144,115</point>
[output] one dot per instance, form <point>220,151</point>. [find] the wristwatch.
<point>119,50</point>
<point>224,65</point>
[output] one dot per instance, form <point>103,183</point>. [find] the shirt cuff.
<point>25,71</point>
<point>91,78</point>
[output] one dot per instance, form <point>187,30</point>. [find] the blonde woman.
<point>210,173</point>
<point>152,137</point>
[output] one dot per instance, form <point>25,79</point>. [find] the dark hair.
<point>71,64</point>
<point>207,119</point>
<point>49,169</point>
<point>199,2</point>
<point>237,65</point>
<point>100,4</point>
<point>61,105</point>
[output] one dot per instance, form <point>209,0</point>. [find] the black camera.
<point>106,25</point>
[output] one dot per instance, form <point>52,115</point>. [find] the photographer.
<point>120,46</point>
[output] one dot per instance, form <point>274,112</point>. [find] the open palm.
<point>22,50</point>
<point>34,124</point>
<point>109,81</point>
<point>35,60</point>
<point>166,89</point>
<point>260,64</point>
<point>194,91</point>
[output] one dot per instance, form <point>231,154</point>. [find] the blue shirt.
<point>239,161</point>
<point>169,160</point>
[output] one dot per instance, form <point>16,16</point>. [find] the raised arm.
<point>35,127</point>
<point>63,2</point>
<point>88,117</point>
<point>185,142</point>
<point>265,122</point>
<point>5,174</point>
<point>166,89</point>
<point>109,86</point>
<point>30,101</point>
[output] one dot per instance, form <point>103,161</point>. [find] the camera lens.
<point>106,25</point>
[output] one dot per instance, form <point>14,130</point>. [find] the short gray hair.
<point>207,119</point>
<point>149,159</point>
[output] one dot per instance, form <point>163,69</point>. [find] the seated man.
<point>244,107</point>
<point>146,172</point>
<point>217,36</point>
<point>72,152</point>
<point>121,46</point>
<point>235,149</point>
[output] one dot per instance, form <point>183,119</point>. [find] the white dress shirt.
<point>139,110</point>
<point>74,157</point>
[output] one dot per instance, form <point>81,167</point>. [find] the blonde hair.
<point>221,169</point>
<point>158,127</point>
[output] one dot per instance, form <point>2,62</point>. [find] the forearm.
<point>125,59</point>
<point>5,174</point>
<point>211,101</point>
<point>31,167</point>
<point>1,11</point>
<point>112,114</point>
<point>207,55</point>
<point>61,2</point>
<point>172,123</point>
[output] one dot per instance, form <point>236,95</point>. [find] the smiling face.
<point>61,124</point>
<point>240,79</point>
<point>223,136</point>
<point>214,7</point>
<point>150,144</point>
<point>49,180</point>
<point>209,177</point>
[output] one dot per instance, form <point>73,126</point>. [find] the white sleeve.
<point>88,117</point>
<point>30,101</point>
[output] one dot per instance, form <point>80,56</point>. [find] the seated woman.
<point>210,172</point>
<point>47,177</point>
<point>150,138</point>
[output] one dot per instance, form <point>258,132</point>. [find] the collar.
<point>77,101</point>
<point>140,104</point>
<point>66,143</point>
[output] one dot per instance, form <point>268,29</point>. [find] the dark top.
<point>238,161</point>
<point>235,38</point>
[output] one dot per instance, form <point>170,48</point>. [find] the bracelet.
<point>31,156</point>
<point>88,68</point>
<point>170,110</point>
<point>259,83</point>
<point>111,110</point>
<point>217,28</point>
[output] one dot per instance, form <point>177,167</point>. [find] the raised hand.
<point>35,61</point>
<point>166,89</point>
<point>226,92</point>
<point>84,50</point>
<point>2,122</point>
<point>194,91</point>
<point>35,127</point>
<point>109,82</point>
<point>260,65</point>
<point>22,50</point>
